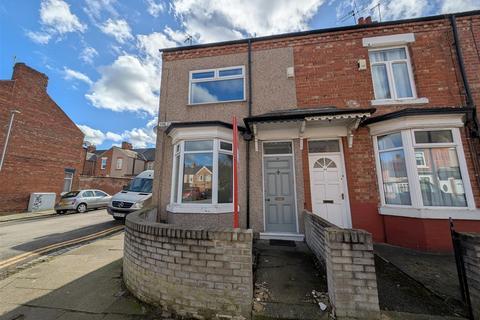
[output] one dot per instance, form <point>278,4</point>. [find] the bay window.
<point>217,85</point>
<point>422,168</point>
<point>202,173</point>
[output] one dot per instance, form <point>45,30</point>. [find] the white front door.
<point>327,188</point>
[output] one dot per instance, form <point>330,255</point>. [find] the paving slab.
<point>289,275</point>
<point>84,283</point>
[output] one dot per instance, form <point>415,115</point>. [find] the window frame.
<point>216,77</point>
<point>391,80</point>
<point>68,176</point>
<point>119,160</point>
<point>409,145</point>
<point>103,166</point>
<point>177,173</point>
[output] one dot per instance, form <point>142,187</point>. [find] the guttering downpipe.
<point>249,72</point>
<point>472,120</point>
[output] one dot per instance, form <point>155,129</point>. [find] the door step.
<point>282,236</point>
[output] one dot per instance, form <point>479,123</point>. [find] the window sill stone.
<point>200,208</point>
<point>399,102</point>
<point>431,213</point>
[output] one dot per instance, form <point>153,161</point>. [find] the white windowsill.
<point>200,208</point>
<point>401,101</point>
<point>432,213</point>
<point>215,103</point>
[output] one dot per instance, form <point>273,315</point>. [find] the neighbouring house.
<point>44,151</point>
<point>371,126</point>
<point>118,162</point>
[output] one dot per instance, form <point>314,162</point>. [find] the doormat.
<point>283,243</point>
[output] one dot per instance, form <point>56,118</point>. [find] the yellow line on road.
<point>39,251</point>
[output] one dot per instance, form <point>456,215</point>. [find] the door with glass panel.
<point>327,181</point>
<point>279,188</point>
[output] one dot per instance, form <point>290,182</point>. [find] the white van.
<point>132,197</point>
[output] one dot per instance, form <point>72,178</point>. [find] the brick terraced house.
<point>371,126</point>
<point>44,151</point>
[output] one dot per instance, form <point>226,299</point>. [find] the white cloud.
<point>94,136</point>
<point>129,84</point>
<point>70,74</point>
<point>403,9</point>
<point>216,20</point>
<point>151,43</point>
<point>94,8</point>
<point>155,8</point>
<point>88,54</point>
<point>450,6</point>
<point>175,35</point>
<point>39,37</point>
<point>56,19</point>
<point>138,137</point>
<point>119,29</point>
<point>113,136</point>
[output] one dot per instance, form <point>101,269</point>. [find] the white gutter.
<point>12,116</point>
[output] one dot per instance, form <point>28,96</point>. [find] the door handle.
<point>327,201</point>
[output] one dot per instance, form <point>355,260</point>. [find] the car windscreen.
<point>140,185</point>
<point>71,194</point>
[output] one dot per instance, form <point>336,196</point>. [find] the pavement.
<point>414,274</point>
<point>22,236</point>
<point>285,277</point>
<point>84,283</point>
<point>27,215</point>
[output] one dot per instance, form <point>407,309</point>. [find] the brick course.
<point>110,185</point>
<point>44,141</point>
<point>200,273</point>
<point>349,260</point>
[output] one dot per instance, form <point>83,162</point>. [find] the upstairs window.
<point>392,74</point>
<point>119,163</point>
<point>217,85</point>
<point>103,165</point>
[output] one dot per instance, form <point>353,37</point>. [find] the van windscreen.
<point>140,185</point>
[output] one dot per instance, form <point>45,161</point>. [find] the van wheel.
<point>81,208</point>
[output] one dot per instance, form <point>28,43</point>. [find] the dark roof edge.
<point>415,112</point>
<point>320,31</point>
<point>193,124</point>
<point>321,112</point>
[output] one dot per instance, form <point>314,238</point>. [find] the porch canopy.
<point>325,122</point>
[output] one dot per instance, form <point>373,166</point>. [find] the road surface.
<point>21,238</point>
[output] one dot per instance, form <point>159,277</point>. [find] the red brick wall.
<point>108,184</point>
<point>98,166</point>
<point>43,142</point>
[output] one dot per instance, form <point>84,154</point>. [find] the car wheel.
<point>81,208</point>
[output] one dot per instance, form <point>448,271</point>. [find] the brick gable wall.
<point>43,142</point>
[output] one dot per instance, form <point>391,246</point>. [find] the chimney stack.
<point>126,145</point>
<point>367,20</point>
<point>91,148</point>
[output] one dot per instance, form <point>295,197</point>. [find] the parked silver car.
<point>82,200</point>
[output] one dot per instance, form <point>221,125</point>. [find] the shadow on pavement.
<point>99,294</point>
<point>53,238</point>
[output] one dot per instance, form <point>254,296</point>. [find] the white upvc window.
<point>202,175</point>
<point>103,164</point>
<point>119,163</point>
<point>423,169</point>
<point>392,74</point>
<point>217,85</point>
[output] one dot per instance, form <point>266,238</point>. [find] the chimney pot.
<point>361,20</point>
<point>91,148</point>
<point>368,20</point>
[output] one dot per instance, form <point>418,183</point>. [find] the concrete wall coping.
<point>338,234</point>
<point>137,221</point>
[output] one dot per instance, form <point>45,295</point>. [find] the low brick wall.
<point>471,257</point>
<point>110,185</point>
<point>349,260</point>
<point>198,273</point>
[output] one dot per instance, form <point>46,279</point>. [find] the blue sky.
<point>102,59</point>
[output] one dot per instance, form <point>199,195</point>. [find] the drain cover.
<point>283,243</point>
